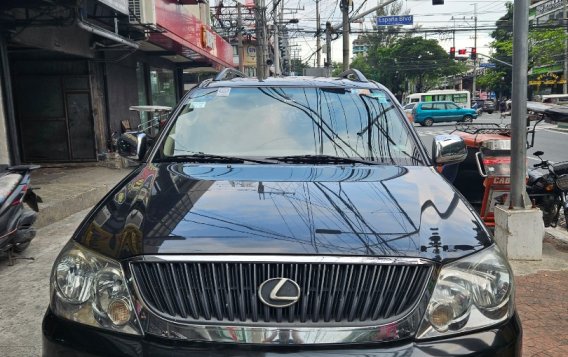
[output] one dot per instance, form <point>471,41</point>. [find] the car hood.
<point>176,208</point>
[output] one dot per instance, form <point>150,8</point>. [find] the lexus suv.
<point>293,216</point>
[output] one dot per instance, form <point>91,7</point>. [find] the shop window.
<point>162,85</point>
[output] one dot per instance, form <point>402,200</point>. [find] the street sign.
<point>487,65</point>
<point>395,20</point>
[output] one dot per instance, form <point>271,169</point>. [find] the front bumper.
<point>65,338</point>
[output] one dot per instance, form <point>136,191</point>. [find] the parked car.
<point>297,216</point>
<point>408,107</point>
<point>428,113</point>
<point>408,110</point>
<point>486,105</point>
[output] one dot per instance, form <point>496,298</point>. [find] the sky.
<point>458,13</point>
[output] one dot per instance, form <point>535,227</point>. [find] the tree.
<point>297,66</point>
<point>414,59</point>
<point>546,47</point>
<point>423,61</point>
<point>336,68</point>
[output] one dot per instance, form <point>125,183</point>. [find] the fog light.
<point>441,316</point>
<point>119,312</point>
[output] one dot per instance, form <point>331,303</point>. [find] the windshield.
<point>267,122</point>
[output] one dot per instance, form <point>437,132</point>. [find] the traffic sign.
<point>487,65</point>
<point>395,20</point>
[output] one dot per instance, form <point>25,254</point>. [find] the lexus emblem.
<point>279,292</point>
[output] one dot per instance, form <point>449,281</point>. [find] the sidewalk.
<point>541,286</point>
<point>69,189</point>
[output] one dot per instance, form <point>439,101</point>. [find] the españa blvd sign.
<point>395,20</point>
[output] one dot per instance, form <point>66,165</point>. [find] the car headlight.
<point>470,294</point>
<point>91,289</point>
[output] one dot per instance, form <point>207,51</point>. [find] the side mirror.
<point>448,149</point>
<point>132,145</point>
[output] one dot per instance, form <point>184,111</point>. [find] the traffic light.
<point>473,54</point>
<point>462,51</point>
<point>452,52</point>
<point>437,2</point>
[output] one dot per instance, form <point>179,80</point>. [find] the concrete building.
<point>71,69</point>
<point>360,46</point>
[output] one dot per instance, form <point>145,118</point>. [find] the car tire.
<point>467,119</point>
<point>428,122</point>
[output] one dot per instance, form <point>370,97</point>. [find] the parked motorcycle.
<point>549,190</point>
<point>16,231</point>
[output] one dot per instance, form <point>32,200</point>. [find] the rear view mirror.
<point>132,145</point>
<point>448,149</point>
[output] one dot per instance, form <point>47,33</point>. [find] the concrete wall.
<point>69,40</point>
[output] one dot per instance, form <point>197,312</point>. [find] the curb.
<point>557,233</point>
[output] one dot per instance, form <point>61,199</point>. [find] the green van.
<point>428,113</point>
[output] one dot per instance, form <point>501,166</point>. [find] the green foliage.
<point>546,46</point>
<point>413,59</point>
<point>336,68</point>
<point>296,65</point>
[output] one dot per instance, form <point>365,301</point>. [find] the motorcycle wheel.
<point>549,213</point>
<point>21,247</point>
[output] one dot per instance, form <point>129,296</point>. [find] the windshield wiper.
<point>203,157</point>
<point>320,159</point>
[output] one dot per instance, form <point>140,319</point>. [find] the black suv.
<point>298,216</point>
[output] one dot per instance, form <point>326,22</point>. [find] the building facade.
<point>71,69</point>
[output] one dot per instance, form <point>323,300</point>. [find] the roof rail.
<point>353,72</point>
<point>229,73</point>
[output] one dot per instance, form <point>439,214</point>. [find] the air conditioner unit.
<point>142,12</point>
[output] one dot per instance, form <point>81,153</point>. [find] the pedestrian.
<point>502,105</point>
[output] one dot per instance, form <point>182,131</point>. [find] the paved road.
<point>553,142</point>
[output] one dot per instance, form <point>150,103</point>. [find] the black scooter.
<point>549,190</point>
<point>16,231</point>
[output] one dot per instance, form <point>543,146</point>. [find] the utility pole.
<point>454,33</point>
<point>284,36</point>
<point>328,44</point>
<point>276,41</point>
<point>259,47</point>
<point>264,40</point>
<point>474,89</point>
<point>318,35</point>
<point>345,9</point>
<point>261,51</point>
<point>519,104</point>
<point>564,23</point>
<point>240,48</point>
<point>518,227</point>
<point>330,29</point>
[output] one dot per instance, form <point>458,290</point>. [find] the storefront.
<point>73,70</point>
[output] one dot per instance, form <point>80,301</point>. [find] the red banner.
<point>188,31</point>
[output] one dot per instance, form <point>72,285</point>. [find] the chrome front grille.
<point>333,292</point>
